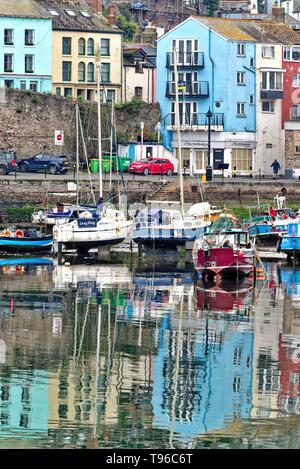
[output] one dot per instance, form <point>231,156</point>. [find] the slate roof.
<point>23,9</point>
<point>132,51</point>
<point>94,22</point>
<point>252,31</point>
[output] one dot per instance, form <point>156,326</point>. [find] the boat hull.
<point>26,245</point>
<point>224,262</point>
<point>166,237</point>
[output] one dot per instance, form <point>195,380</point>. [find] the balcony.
<point>195,122</point>
<point>196,89</point>
<point>186,60</point>
<point>276,92</point>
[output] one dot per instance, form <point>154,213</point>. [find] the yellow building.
<point>78,35</point>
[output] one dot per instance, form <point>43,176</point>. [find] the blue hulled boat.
<point>26,244</point>
<point>289,243</point>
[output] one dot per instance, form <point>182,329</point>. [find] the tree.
<point>128,26</point>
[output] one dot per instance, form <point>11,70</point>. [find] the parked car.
<point>296,173</point>
<point>152,166</point>
<point>49,162</point>
<point>8,161</point>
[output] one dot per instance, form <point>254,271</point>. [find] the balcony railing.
<point>195,121</point>
<point>196,89</point>
<point>186,59</point>
<point>276,92</point>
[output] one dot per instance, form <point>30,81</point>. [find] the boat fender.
<point>19,234</point>
<point>67,264</point>
<point>7,232</point>
<point>118,229</point>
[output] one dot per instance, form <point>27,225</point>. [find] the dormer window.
<point>70,12</point>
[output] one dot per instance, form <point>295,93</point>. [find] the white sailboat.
<point>105,226</point>
<point>165,224</point>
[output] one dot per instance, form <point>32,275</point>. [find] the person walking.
<point>276,167</point>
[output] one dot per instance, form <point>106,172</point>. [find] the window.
<point>29,37</point>
<point>240,78</point>
<point>295,112</point>
<point>70,12</point>
<point>8,37</point>
<point>241,159</point>
<point>68,92</point>
<point>251,62</point>
<point>81,46</point>
<point>66,71</point>
<point>8,62</point>
<point>90,72</point>
<point>297,149</point>
<point>138,92</point>
<point>251,99</point>
<point>291,53</point>
<point>269,145</point>
<point>296,81</point>
<point>9,83</point>
<point>89,95</point>
<point>54,12</point>
<point>268,52</point>
<point>110,96</point>
<point>240,50</point>
<point>33,85</point>
<point>58,91</point>
<point>90,47</point>
<point>81,71</point>
<point>139,66</point>
<point>267,106</point>
<point>23,85</point>
<point>240,110</point>
<point>272,81</point>
<point>29,63</point>
<point>66,45</point>
<point>80,93</point>
<point>105,47</point>
<point>105,73</point>
<point>85,14</point>
<point>201,160</point>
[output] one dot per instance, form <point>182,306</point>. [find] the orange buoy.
<point>7,232</point>
<point>19,234</point>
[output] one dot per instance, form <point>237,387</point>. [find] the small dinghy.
<point>28,241</point>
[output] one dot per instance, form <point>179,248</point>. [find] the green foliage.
<point>28,92</point>
<point>34,99</point>
<point>133,107</point>
<point>19,110</point>
<point>212,5</point>
<point>19,214</point>
<point>128,26</point>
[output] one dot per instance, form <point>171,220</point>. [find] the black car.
<point>8,161</point>
<point>45,162</point>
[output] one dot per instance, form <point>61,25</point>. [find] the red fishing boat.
<point>226,255</point>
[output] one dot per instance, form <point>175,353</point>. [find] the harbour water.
<point>142,355</point>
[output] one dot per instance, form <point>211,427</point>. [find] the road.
<point>71,176</point>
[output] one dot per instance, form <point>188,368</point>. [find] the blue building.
<point>25,46</point>
<point>216,66</point>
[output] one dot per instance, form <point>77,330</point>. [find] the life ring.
<point>19,234</point>
<point>7,233</point>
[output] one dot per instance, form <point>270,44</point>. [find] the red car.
<point>152,166</point>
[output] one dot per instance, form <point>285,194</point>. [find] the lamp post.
<point>158,128</point>
<point>142,138</point>
<point>209,171</point>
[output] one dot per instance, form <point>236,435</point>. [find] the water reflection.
<point>140,354</point>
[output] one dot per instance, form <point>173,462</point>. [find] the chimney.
<point>96,5</point>
<point>112,15</point>
<point>278,14</point>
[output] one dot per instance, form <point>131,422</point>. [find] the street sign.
<point>59,137</point>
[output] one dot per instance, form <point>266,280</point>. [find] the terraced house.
<point>80,34</point>
<point>234,68</point>
<point>25,46</point>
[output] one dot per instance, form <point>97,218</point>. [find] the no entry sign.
<point>59,137</point>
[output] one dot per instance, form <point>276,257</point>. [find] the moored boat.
<point>289,243</point>
<point>30,241</point>
<point>225,255</point>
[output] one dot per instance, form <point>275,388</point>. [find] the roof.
<point>23,9</point>
<point>148,49</point>
<point>251,31</point>
<point>88,21</point>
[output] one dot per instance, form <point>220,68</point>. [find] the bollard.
<point>251,172</point>
<point>45,173</point>
<point>259,174</point>
<point>74,167</point>
<point>234,171</point>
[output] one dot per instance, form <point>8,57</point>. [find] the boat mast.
<point>111,139</point>
<point>98,66</point>
<point>77,154</point>
<point>177,123</point>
